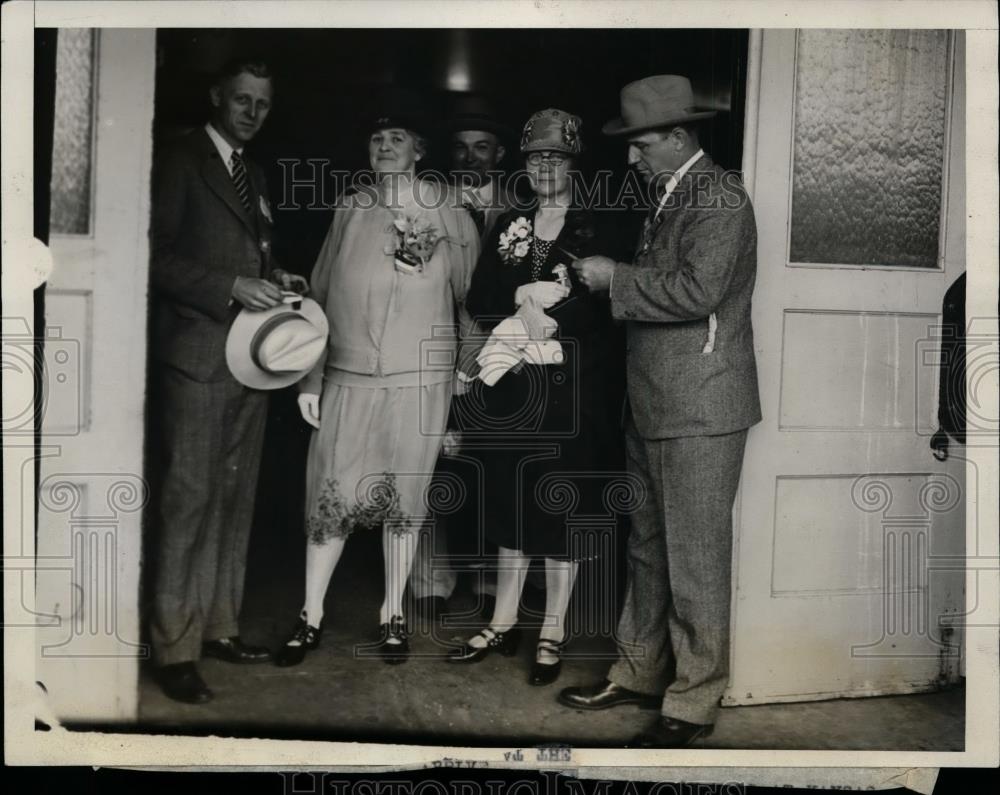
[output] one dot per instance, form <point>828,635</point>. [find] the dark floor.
<point>337,695</point>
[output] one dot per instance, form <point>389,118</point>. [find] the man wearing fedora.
<point>477,145</point>
<point>210,242</point>
<point>692,395</point>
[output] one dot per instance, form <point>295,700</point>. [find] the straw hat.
<point>278,346</point>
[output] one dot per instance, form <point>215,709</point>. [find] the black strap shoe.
<point>671,733</point>
<point>546,673</point>
<point>234,650</point>
<point>181,682</point>
<point>305,638</point>
<point>394,645</point>
<point>504,642</point>
<point>605,695</point>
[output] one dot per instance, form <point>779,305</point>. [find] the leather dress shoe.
<point>181,682</point>
<point>504,642</point>
<point>393,645</point>
<point>546,673</point>
<point>605,695</point>
<point>234,650</point>
<point>305,638</point>
<point>671,733</point>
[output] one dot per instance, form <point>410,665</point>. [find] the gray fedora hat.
<point>657,101</point>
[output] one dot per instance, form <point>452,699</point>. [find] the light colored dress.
<point>387,378</point>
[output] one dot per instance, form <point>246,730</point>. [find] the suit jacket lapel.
<point>214,171</point>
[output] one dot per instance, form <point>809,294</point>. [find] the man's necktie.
<point>240,179</point>
<point>478,216</point>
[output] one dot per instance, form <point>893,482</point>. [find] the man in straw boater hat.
<point>210,256</point>
<point>692,394</point>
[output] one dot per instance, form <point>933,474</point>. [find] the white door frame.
<point>91,489</point>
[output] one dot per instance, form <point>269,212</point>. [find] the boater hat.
<point>278,346</point>
<point>657,101</point>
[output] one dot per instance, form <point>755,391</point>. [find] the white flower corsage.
<point>515,241</point>
<point>415,241</point>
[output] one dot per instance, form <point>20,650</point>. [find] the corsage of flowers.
<point>416,239</point>
<point>514,242</point>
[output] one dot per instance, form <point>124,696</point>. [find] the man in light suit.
<point>692,394</point>
<point>210,241</point>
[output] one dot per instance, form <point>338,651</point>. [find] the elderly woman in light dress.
<point>396,262</point>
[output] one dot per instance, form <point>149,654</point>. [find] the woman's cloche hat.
<point>657,101</point>
<point>552,130</point>
<point>400,107</point>
<point>277,347</point>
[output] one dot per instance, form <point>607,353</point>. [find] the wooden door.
<point>91,489</point>
<point>854,159</point>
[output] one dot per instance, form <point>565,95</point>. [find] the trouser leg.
<point>244,420</point>
<point>188,508</point>
<point>645,659</point>
<point>700,476</point>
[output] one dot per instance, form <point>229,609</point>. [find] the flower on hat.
<point>571,132</point>
<point>526,134</point>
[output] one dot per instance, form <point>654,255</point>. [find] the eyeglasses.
<point>555,158</point>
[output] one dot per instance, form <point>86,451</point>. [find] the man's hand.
<point>290,281</point>
<point>256,294</point>
<point>309,408</point>
<point>595,272</point>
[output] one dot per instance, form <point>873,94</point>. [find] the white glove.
<point>511,330</point>
<point>496,358</point>
<point>309,408</point>
<point>547,352</point>
<point>539,325</point>
<point>545,293</point>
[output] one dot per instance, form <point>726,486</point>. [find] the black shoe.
<point>503,642</point>
<point>430,607</point>
<point>306,638</point>
<point>605,695</point>
<point>234,650</point>
<point>394,645</point>
<point>181,682</point>
<point>546,673</point>
<point>671,733</point>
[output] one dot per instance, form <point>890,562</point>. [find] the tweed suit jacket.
<point>201,239</point>
<point>697,258</point>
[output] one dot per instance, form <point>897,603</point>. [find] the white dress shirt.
<point>225,150</point>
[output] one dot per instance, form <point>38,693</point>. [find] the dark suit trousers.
<point>673,634</point>
<point>211,440</point>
